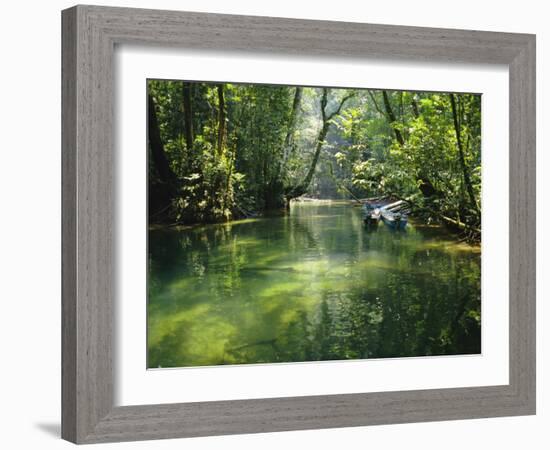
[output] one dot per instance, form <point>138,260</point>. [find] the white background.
<point>30,225</point>
<point>135,386</point>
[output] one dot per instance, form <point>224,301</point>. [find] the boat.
<point>371,215</point>
<point>394,220</point>
<point>393,214</point>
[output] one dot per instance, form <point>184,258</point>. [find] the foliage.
<point>234,150</point>
<point>417,155</point>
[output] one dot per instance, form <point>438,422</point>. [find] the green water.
<point>312,285</point>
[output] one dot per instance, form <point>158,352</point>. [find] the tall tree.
<point>414,105</point>
<point>302,188</point>
<point>161,163</point>
<point>289,138</point>
<point>392,119</point>
<point>459,145</point>
<point>424,183</point>
<point>162,190</point>
<point>221,119</point>
<point>188,117</point>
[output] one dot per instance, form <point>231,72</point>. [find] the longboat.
<point>371,215</point>
<point>394,220</point>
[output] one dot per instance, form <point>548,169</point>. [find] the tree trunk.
<point>465,173</point>
<point>373,98</point>
<point>415,109</point>
<point>221,119</point>
<point>274,189</point>
<point>392,118</point>
<point>320,141</point>
<point>425,185</point>
<point>188,118</point>
<point>287,149</point>
<point>302,188</point>
<point>160,193</point>
<point>157,147</point>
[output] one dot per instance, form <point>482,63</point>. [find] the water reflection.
<point>313,285</point>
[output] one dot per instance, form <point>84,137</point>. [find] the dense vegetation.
<point>223,151</point>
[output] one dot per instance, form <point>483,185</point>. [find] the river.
<point>312,285</point>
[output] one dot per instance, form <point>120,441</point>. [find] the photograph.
<point>275,225</point>
<point>296,223</point>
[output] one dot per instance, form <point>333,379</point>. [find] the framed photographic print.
<point>265,229</point>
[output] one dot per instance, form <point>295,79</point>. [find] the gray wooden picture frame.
<point>89,37</point>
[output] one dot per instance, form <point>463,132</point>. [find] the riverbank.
<point>457,232</point>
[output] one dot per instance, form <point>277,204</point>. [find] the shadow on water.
<point>313,285</point>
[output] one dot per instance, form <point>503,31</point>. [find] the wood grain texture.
<point>523,224</point>
<point>89,36</point>
<point>68,225</point>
